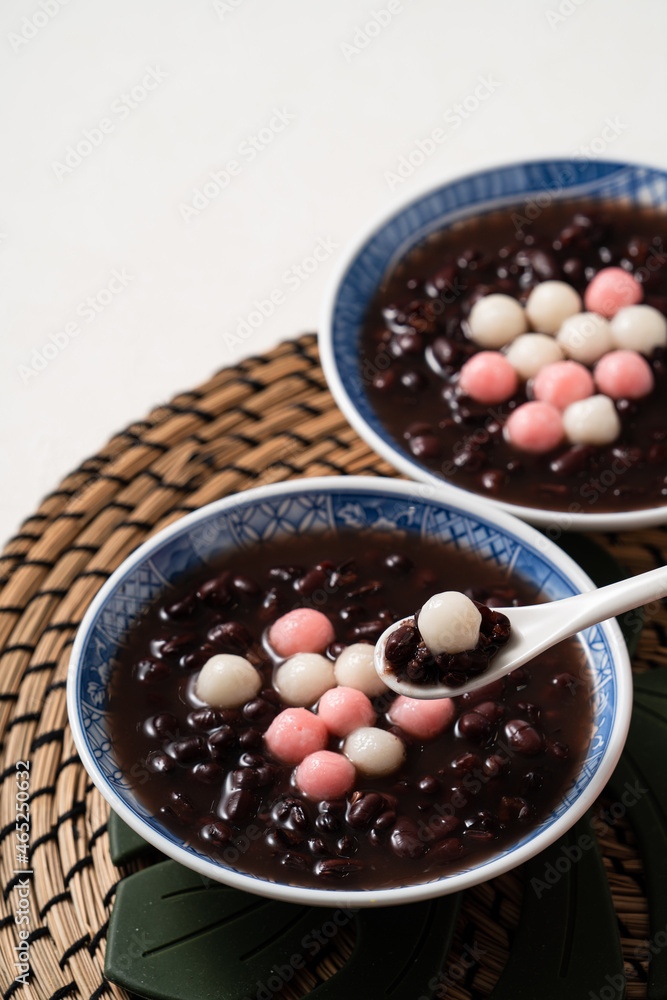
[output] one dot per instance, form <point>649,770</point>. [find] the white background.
<point>560,75</point>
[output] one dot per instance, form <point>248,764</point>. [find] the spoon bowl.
<point>535,627</point>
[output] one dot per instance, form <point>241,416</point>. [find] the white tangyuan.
<point>373,751</point>
<point>303,679</point>
<point>585,337</point>
<point>549,305</point>
<point>639,328</point>
<point>449,623</point>
<point>531,352</point>
<point>227,681</point>
<point>355,668</point>
<point>592,421</point>
<point>496,320</point>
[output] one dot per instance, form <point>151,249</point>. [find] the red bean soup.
<point>418,337</point>
<point>506,755</point>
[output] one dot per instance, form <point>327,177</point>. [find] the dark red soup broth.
<point>459,798</point>
<point>419,314</point>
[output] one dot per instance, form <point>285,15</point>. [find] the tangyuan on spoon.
<point>454,644</point>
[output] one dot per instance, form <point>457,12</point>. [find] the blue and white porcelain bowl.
<point>383,243</point>
<point>339,503</point>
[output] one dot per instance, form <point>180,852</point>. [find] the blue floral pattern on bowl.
<point>298,508</point>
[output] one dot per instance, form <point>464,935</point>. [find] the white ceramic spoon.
<point>535,628</point>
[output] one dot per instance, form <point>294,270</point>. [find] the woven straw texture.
<point>269,419</point>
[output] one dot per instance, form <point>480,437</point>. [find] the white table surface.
<point>169,92</point>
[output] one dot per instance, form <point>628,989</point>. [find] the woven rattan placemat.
<point>270,418</point>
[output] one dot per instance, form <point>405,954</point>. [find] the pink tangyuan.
<point>488,377</point>
<point>343,709</point>
<point>562,383</point>
<point>420,718</point>
<point>294,734</point>
<point>535,427</point>
<point>303,630</point>
<point>325,775</point>
<point>612,289</point>
<point>624,375</point>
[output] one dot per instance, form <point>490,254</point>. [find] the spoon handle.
<point>570,615</point>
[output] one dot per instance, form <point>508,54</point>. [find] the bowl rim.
<point>356,898</point>
<point>556,520</point>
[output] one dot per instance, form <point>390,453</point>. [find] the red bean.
<point>286,573</point>
<point>165,725</point>
<point>429,785</point>
<point>217,833</point>
<point>251,739</point>
<point>405,840</point>
<point>425,446</point>
<point>182,608</point>
<point>205,718</point>
<point>216,592</point>
<point>524,738</point>
<point>161,763</point>
<point>466,763</point>
<point>443,826</point>
<point>207,772</point>
<point>364,809</point>
<point>151,671</point>
<point>314,579</point>
<point>292,859</point>
<point>347,845</point>
<point>474,726</point>
<point>260,712</point>
<point>188,749</point>
<point>230,637</point>
<point>182,806</point>
<point>240,805</point>
<point>399,563</point>
<point>385,821</point>
<point>514,808</point>
<point>246,588</point>
<point>384,381</point>
<point>221,741</point>
<point>490,710</point>
<point>176,645</point>
<point>445,851</point>
<point>402,644</point>
<point>337,868</point>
